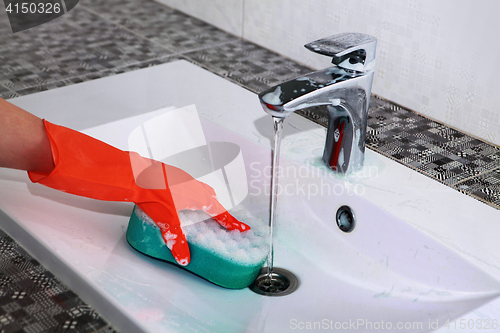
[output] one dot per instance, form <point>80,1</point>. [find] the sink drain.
<point>345,219</point>
<point>280,283</point>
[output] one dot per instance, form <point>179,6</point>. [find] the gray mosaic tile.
<point>91,76</point>
<point>165,26</point>
<point>9,94</point>
<point>6,93</point>
<point>3,91</point>
<point>33,300</point>
<point>430,147</point>
<point>78,43</point>
<point>486,187</point>
<point>247,64</point>
<point>144,64</point>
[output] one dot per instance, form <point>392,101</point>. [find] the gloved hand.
<point>91,168</point>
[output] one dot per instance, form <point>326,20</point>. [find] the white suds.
<point>248,248</point>
<point>273,98</point>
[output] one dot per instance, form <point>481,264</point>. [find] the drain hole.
<point>345,219</point>
<point>280,283</point>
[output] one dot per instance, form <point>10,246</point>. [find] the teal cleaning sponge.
<point>231,259</point>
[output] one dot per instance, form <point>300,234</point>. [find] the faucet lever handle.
<point>352,51</point>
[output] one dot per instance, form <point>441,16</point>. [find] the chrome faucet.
<point>345,90</point>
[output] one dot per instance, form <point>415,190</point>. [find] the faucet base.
<point>339,139</point>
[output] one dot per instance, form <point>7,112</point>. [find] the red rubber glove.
<point>91,168</point>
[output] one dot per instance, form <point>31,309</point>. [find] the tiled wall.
<point>435,57</point>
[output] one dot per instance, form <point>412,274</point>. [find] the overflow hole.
<point>345,219</point>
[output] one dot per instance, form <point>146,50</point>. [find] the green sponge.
<point>231,259</point>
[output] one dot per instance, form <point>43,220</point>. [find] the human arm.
<point>72,162</point>
<point>24,144</point>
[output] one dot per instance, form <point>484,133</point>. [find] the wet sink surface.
<point>384,275</point>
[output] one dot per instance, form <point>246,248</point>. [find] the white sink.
<point>395,271</point>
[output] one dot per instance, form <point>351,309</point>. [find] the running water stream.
<point>278,128</point>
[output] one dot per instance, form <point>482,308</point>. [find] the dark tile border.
<point>485,187</point>
<point>247,64</point>
<point>91,76</point>
<point>78,44</point>
<point>5,92</point>
<point>164,26</point>
<point>434,149</point>
<point>33,300</point>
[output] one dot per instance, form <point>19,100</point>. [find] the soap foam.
<point>273,98</point>
<point>245,248</point>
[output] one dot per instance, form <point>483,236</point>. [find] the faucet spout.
<point>343,90</point>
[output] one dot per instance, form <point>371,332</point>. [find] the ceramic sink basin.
<point>393,272</point>
<point>383,273</point>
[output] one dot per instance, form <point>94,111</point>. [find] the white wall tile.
<point>224,14</point>
<point>435,57</point>
<point>439,58</point>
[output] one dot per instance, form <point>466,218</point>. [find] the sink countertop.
<point>461,223</point>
